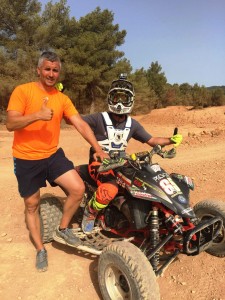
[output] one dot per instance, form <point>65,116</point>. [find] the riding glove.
<point>176,139</point>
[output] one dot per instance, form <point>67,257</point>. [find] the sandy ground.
<point>73,274</point>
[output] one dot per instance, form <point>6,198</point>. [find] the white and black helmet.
<point>121,96</point>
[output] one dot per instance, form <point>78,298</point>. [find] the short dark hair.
<point>48,55</point>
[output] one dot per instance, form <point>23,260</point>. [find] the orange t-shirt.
<point>40,139</point>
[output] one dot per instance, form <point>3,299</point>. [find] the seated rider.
<point>113,130</point>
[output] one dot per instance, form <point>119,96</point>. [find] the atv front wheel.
<point>207,209</point>
<point>125,273</point>
<point>50,216</point>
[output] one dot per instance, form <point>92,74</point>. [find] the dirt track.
<point>72,274</point>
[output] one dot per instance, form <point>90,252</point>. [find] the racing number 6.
<point>168,188</point>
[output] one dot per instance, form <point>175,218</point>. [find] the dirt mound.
<point>180,116</point>
<point>196,125</point>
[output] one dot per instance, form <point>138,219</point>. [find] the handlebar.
<point>155,150</point>
<point>120,158</point>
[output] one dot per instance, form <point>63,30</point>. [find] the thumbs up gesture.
<point>46,113</point>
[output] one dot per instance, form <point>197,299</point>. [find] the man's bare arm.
<point>16,120</point>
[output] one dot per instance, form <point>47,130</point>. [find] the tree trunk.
<point>92,107</point>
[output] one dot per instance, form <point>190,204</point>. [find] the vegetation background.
<point>89,49</point>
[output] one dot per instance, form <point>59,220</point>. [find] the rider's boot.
<point>89,217</point>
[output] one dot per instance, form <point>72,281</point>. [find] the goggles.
<point>120,97</point>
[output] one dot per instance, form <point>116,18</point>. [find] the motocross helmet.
<point>121,96</point>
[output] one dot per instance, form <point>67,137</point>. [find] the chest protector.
<point>117,138</point>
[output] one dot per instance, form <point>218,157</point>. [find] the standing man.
<point>34,113</point>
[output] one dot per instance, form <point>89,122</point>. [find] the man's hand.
<point>100,155</point>
<point>176,139</point>
<point>46,113</point>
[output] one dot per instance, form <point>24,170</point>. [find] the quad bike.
<point>148,224</point>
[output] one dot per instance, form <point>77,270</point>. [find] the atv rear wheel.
<point>209,208</point>
<point>50,216</point>
<point>125,273</point>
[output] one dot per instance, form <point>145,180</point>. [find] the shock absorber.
<point>154,237</point>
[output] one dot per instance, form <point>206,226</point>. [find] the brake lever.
<point>170,153</point>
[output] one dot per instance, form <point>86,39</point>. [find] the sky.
<point>186,38</point>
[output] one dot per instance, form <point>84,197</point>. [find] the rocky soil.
<point>73,274</point>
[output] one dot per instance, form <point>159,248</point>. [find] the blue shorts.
<point>33,174</point>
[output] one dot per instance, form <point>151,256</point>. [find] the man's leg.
<point>33,224</point>
<point>33,219</point>
<point>105,193</point>
<point>74,187</point>
<point>73,184</point>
